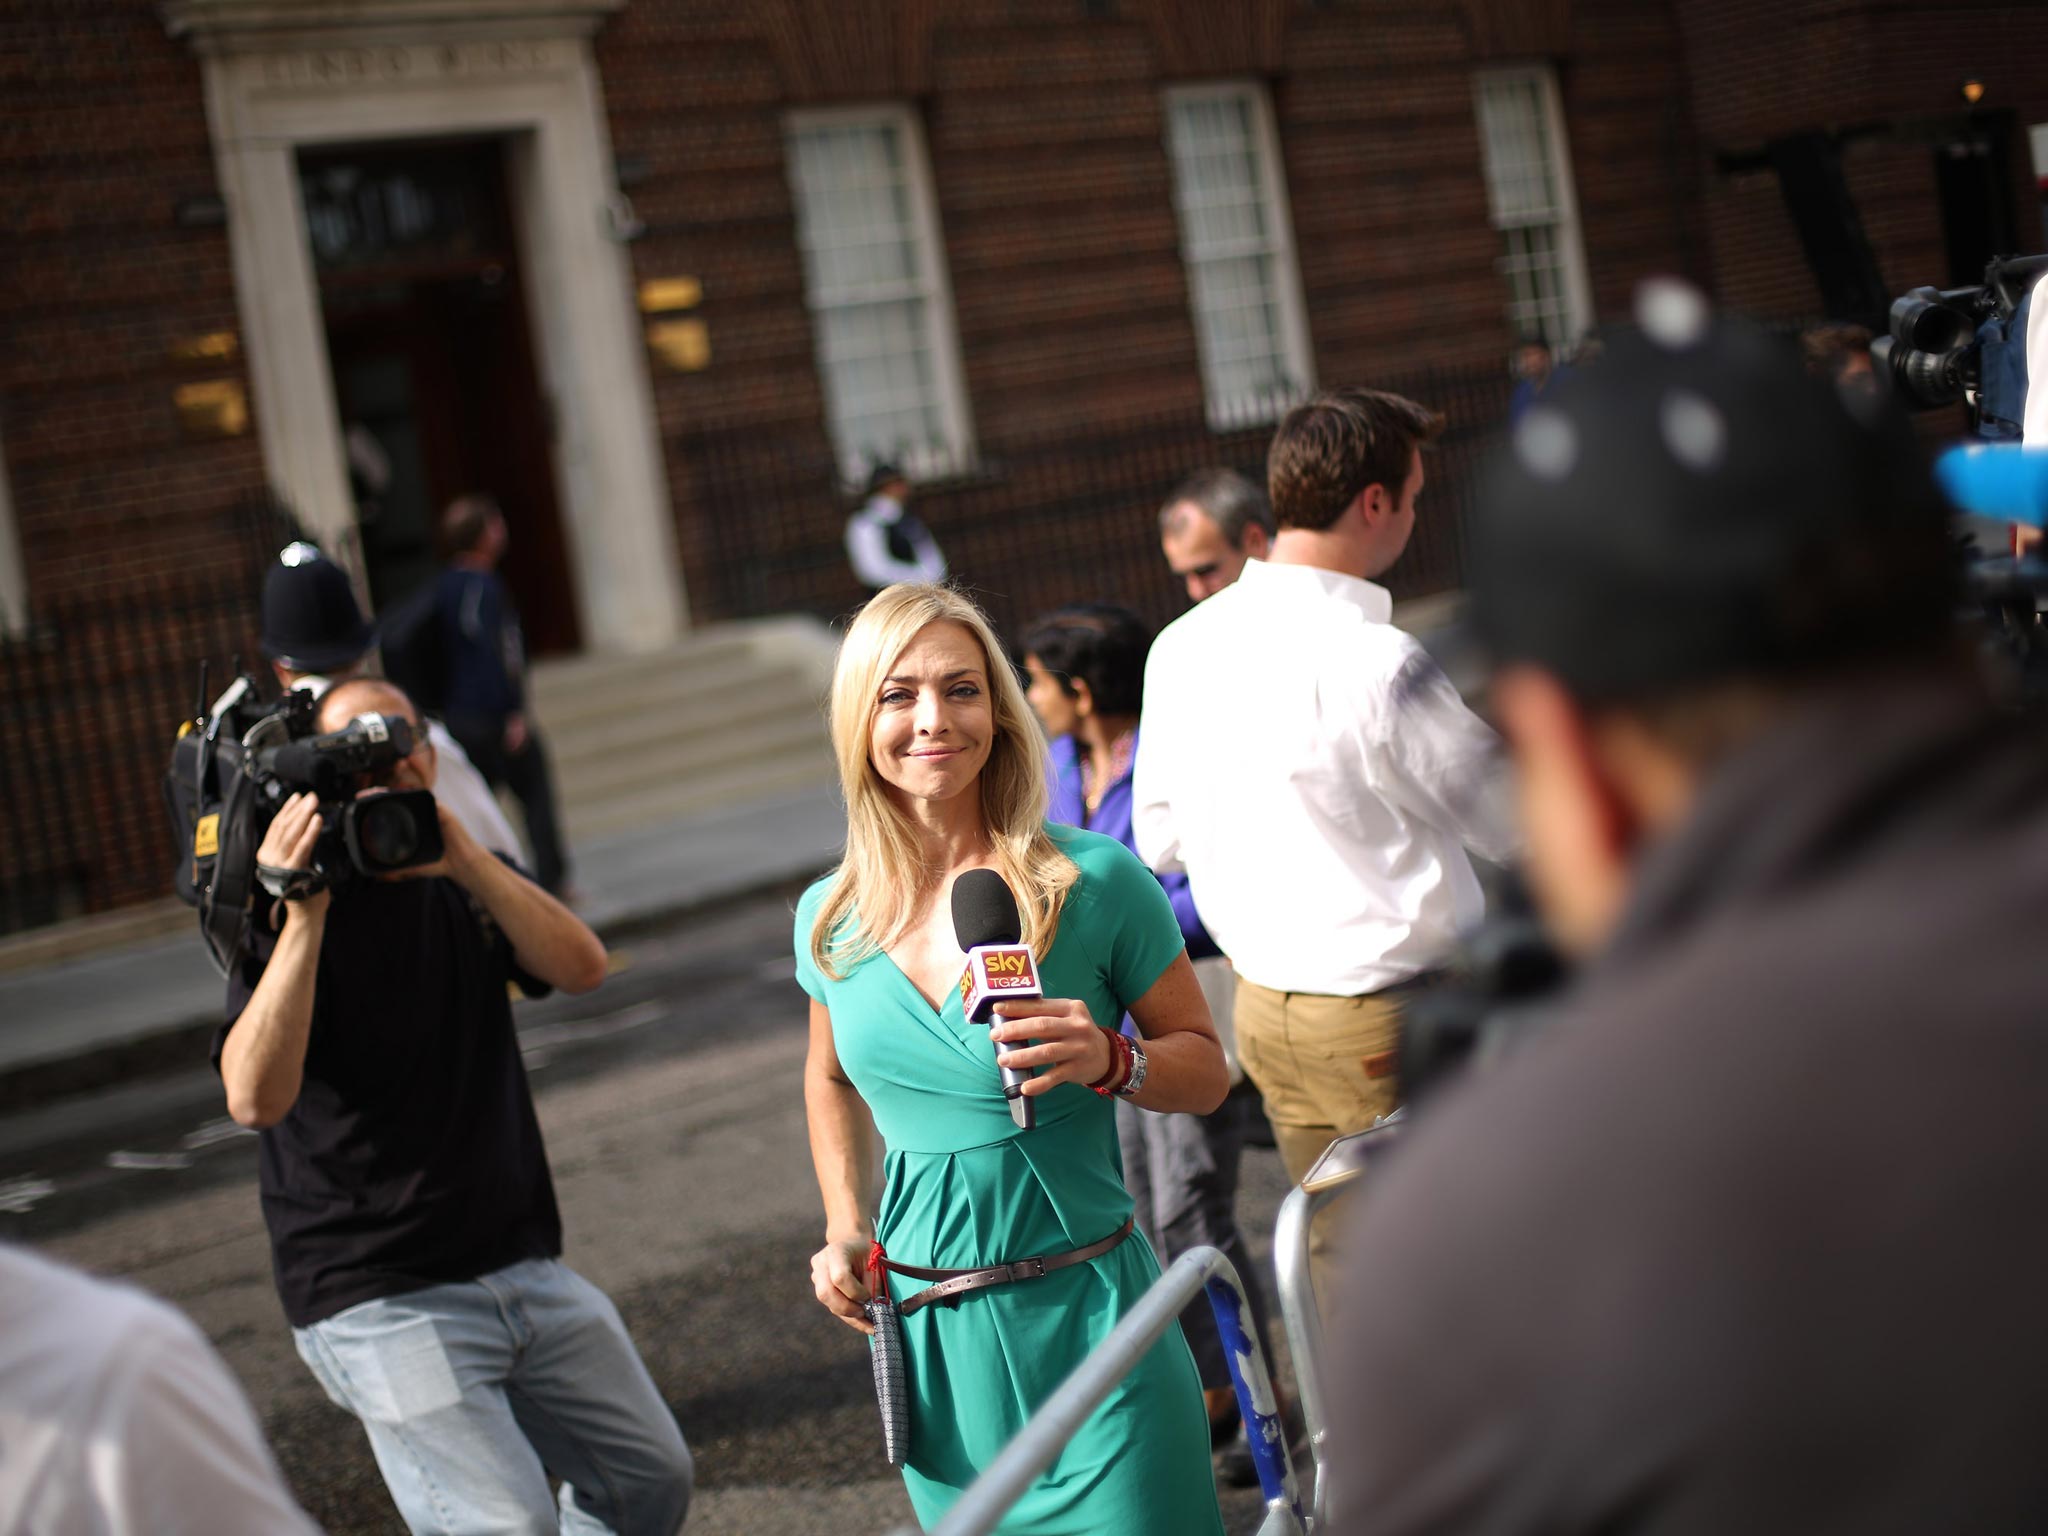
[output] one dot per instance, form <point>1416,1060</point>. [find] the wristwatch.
<point>1136,1080</point>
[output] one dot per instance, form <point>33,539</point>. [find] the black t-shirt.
<point>412,1156</point>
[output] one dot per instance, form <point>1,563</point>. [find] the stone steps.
<point>731,714</point>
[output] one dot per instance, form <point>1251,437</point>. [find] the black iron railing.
<point>92,688</point>
<point>1034,524</point>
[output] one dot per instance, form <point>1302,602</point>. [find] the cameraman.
<point>412,1219</point>
<point>1748,1235</point>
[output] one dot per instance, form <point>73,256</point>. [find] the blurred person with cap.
<point>315,635</point>
<point>1744,1230</point>
<point>885,541</point>
<point>1213,523</point>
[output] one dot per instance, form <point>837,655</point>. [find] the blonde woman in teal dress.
<point>943,768</point>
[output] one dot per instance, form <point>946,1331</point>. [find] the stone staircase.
<point>730,714</point>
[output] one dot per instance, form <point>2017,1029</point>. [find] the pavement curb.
<point>181,1044</point>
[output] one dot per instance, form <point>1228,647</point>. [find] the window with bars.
<point>1529,195</point>
<point>875,280</point>
<point>1238,244</point>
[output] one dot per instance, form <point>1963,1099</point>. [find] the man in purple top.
<point>1087,670</point>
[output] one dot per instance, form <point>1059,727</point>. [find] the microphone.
<point>986,925</point>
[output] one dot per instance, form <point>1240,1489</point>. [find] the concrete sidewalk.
<point>91,1022</point>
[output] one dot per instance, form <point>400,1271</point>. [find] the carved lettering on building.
<point>381,65</point>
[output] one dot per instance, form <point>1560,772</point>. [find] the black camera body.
<point>237,762</point>
<point>372,835</point>
<point>1494,994</point>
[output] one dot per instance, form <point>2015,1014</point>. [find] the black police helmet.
<point>311,620</point>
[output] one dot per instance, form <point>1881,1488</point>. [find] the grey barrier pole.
<point>1333,1174</point>
<point>1304,1325</point>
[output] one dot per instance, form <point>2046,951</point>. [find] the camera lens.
<point>1923,320</point>
<point>387,832</point>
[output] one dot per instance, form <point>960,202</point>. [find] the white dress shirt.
<point>1319,779</point>
<point>118,1419</point>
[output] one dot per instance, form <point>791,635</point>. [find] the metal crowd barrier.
<point>981,1508</point>
<point>1333,1174</point>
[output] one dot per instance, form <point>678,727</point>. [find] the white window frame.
<point>956,453</point>
<point>1225,411</point>
<point>1571,250</point>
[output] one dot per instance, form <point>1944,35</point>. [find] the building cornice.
<point>243,26</point>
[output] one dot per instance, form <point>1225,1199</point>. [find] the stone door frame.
<point>334,72</point>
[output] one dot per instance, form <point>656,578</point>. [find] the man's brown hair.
<point>1332,446</point>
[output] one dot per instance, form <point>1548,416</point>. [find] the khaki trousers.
<point>1326,1067</point>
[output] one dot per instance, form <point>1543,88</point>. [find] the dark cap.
<point>1695,507</point>
<point>311,620</point>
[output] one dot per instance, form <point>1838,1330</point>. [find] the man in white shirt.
<point>118,1419</point>
<point>884,542</point>
<point>1318,777</point>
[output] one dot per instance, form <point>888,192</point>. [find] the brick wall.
<point>1046,135</point>
<point>1759,69</point>
<point>105,135</point>
<point>1047,140</point>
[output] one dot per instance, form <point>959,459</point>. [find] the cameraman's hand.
<point>289,843</point>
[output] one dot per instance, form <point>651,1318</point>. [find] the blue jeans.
<point>473,1392</point>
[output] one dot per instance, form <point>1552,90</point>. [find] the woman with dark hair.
<point>943,770</point>
<point>1086,666</point>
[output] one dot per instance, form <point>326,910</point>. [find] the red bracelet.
<point>1119,1065</point>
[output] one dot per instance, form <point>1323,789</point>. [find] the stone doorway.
<point>320,76</point>
<point>423,303</point>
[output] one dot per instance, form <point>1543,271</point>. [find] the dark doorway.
<point>1973,179</point>
<point>434,375</point>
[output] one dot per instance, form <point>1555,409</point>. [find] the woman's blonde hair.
<point>883,877</point>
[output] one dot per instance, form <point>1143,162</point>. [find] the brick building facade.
<point>618,306</point>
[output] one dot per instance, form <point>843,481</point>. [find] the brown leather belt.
<point>952,1284</point>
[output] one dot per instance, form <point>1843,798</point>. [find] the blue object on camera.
<point>2002,481</point>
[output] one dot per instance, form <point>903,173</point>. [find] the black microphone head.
<point>984,911</point>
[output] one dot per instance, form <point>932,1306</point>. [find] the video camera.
<point>1951,345</point>
<point>235,764</point>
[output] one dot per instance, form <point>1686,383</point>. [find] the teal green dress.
<point>964,1188</point>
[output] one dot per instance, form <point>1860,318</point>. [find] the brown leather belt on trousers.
<point>952,1284</point>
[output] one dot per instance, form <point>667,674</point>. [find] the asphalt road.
<point>671,1099</point>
